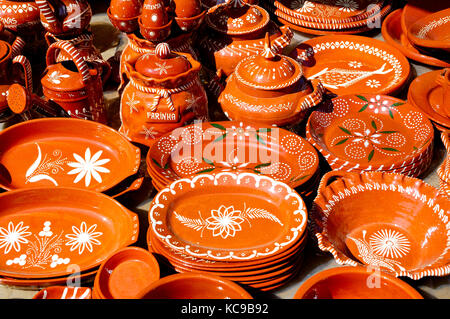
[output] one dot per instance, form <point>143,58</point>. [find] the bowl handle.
<point>133,187</point>
<point>443,80</point>
<point>313,98</point>
<point>328,178</point>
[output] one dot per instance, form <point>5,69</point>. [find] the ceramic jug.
<point>75,85</point>
<point>19,15</point>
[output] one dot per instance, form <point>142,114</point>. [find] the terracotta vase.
<point>73,85</point>
<point>235,30</point>
<point>164,93</point>
<point>65,17</point>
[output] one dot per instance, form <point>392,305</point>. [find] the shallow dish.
<point>348,64</point>
<point>355,283</point>
<point>390,221</point>
<point>64,292</point>
<point>324,32</point>
<point>44,230</point>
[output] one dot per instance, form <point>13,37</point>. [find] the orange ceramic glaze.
<point>126,273</point>
<point>393,34</point>
<point>390,221</point>
<point>65,152</point>
<point>355,283</point>
<point>84,277</point>
<point>262,222</point>
<point>194,286</point>
<point>273,152</point>
<point>348,64</point>
<point>429,93</point>
<point>63,292</point>
<point>164,93</point>
<point>323,32</point>
<point>65,17</point>
<point>415,10</point>
<point>235,30</point>
<point>127,9</point>
<point>19,15</point>
<point>52,231</point>
<point>269,89</point>
<point>432,31</point>
<point>154,14</point>
<point>369,132</point>
<point>187,9</point>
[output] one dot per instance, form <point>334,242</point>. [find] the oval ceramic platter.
<point>65,152</point>
<point>349,64</point>
<point>374,131</point>
<point>234,147</point>
<point>228,216</point>
<point>45,230</point>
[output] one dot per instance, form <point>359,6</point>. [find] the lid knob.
<point>268,53</point>
<point>162,50</point>
<point>236,3</point>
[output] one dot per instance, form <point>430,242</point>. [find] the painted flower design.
<point>355,64</point>
<point>13,236</point>
<point>237,23</point>
<point>56,76</point>
<point>373,84</point>
<point>347,5</point>
<point>88,167</point>
<point>377,104</point>
<point>225,222</point>
<point>302,6</point>
<point>389,243</point>
<point>251,18</point>
<point>241,132</point>
<point>233,165</point>
<point>83,238</point>
<point>162,68</point>
<point>367,138</point>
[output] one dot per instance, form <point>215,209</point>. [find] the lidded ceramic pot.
<point>235,30</point>
<point>164,93</point>
<point>269,89</point>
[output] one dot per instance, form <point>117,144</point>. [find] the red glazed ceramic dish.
<point>194,286</point>
<point>265,217</point>
<point>65,152</point>
<point>43,230</point>
<point>355,283</point>
<point>348,64</point>
<point>415,10</point>
<point>323,32</point>
<point>62,292</point>
<point>390,221</point>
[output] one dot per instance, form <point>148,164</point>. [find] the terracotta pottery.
<point>75,86</point>
<point>372,132</point>
<point>194,286</point>
<point>7,60</point>
<point>19,15</point>
<point>373,219</point>
<point>393,34</point>
<point>128,9</point>
<point>281,214</point>
<point>65,17</point>
<point>154,22</point>
<point>432,31</point>
<point>164,93</point>
<point>65,152</point>
<point>16,42</point>
<point>323,32</point>
<point>348,64</point>
<point>429,92</point>
<point>54,231</point>
<point>234,30</point>
<point>355,283</point>
<point>126,273</point>
<point>269,89</point>
<point>64,292</point>
<point>273,152</point>
<point>84,277</point>
<point>190,23</point>
<point>187,9</point>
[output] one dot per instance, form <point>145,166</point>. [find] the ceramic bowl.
<point>390,221</point>
<point>355,283</point>
<point>127,25</point>
<point>194,286</point>
<point>63,292</point>
<point>189,24</point>
<point>126,273</point>
<point>155,34</point>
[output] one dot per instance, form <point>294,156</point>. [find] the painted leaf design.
<point>363,108</point>
<point>255,213</point>
<point>345,130</point>
<point>362,98</point>
<point>341,142</point>
<point>36,163</point>
<point>194,223</point>
<point>220,127</point>
<point>41,177</point>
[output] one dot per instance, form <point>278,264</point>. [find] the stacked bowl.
<point>332,16</point>
<point>243,227</point>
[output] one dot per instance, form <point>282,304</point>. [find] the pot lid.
<point>268,71</point>
<point>5,50</point>
<point>237,17</point>
<point>162,64</point>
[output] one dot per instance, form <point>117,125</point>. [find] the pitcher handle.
<point>26,66</point>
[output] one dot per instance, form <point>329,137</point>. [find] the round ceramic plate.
<point>362,131</point>
<point>234,147</point>
<point>45,230</point>
<point>415,10</point>
<point>65,152</point>
<point>348,64</point>
<point>432,31</point>
<point>228,216</point>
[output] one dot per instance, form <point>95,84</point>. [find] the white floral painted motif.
<point>250,18</point>
<point>149,132</point>
<point>83,238</point>
<point>226,221</point>
<point>423,32</point>
<point>88,167</point>
<point>163,68</point>
<point>373,83</point>
<point>56,76</point>
<point>13,236</point>
<point>41,169</point>
<point>302,6</point>
<point>367,138</point>
<point>389,243</point>
<point>132,102</point>
<point>237,23</point>
<point>347,5</point>
<point>355,64</point>
<point>241,132</point>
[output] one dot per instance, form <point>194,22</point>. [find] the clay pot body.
<point>75,87</point>
<point>19,15</point>
<point>164,93</point>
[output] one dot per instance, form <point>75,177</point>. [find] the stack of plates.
<point>372,133</point>
<point>332,16</point>
<point>234,147</point>
<point>244,227</point>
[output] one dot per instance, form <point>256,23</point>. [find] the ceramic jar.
<point>72,84</point>
<point>269,89</point>
<point>235,30</point>
<point>19,15</point>
<point>164,93</point>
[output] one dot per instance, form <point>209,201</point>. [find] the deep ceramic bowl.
<point>155,33</point>
<point>127,25</point>
<point>189,24</point>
